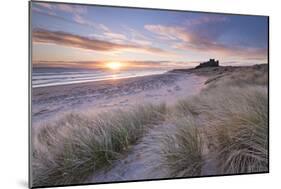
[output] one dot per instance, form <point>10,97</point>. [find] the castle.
<point>210,63</point>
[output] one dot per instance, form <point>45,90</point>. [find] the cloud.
<point>169,33</point>
<point>89,23</point>
<point>161,64</point>
<point>76,41</point>
<point>44,12</point>
<point>44,5</point>
<point>203,43</point>
<point>77,12</point>
<point>103,27</point>
<point>73,9</point>
<point>67,64</point>
<point>44,8</point>
<point>140,41</point>
<point>180,32</point>
<point>110,36</point>
<point>71,40</point>
<point>115,35</point>
<point>136,36</point>
<point>81,20</point>
<point>137,41</point>
<point>221,50</point>
<point>128,36</point>
<point>102,32</point>
<point>206,19</point>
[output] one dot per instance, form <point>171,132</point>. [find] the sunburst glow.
<point>114,65</point>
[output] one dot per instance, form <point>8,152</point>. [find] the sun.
<point>114,65</point>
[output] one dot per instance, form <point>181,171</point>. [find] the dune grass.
<point>242,132</point>
<point>179,147</point>
<point>254,75</point>
<point>77,146</point>
<point>230,117</point>
<point>235,121</point>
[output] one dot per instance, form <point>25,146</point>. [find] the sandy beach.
<point>161,117</point>
<point>100,96</point>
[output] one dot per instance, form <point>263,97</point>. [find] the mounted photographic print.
<point>122,94</point>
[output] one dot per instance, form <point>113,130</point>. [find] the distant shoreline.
<point>206,71</point>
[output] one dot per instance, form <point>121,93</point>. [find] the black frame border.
<point>30,50</point>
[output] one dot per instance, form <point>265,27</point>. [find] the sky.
<point>83,36</point>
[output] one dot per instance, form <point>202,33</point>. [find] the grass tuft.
<point>181,149</point>
<point>76,146</point>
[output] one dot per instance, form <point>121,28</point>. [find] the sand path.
<point>139,163</point>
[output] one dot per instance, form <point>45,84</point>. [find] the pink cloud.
<point>76,41</point>
<point>193,41</point>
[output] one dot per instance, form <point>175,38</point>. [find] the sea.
<point>44,77</point>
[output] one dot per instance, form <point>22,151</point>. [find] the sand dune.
<point>180,124</point>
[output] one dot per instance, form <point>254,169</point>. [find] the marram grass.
<point>228,116</point>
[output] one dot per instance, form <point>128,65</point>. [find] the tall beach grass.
<point>228,120</point>
<point>76,146</point>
